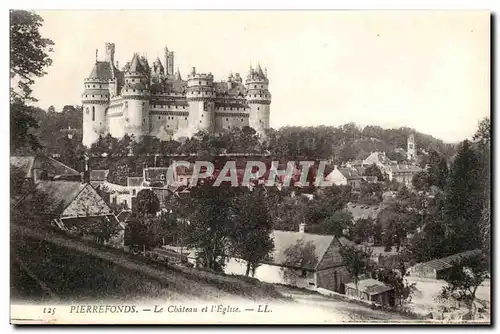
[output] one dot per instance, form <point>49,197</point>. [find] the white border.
<point>200,4</point>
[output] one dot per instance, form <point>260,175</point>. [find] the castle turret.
<point>136,95</point>
<point>169,62</point>
<point>258,98</point>
<point>200,95</point>
<point>95,100</point>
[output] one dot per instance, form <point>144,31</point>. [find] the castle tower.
<point>110,52</point>
<point>95,100</point>
<point>258,98</point>
<point>200,95</point>
<point>411,152</point>
<point>136,97</point>
<point>169,62</point>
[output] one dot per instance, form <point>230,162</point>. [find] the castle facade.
<point>140,99</point>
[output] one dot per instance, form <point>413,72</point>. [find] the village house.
<point>371,290</point>
<point>70,206</point>
<point>404,173</point>
<point>328,273</point>
<point>439,268</point>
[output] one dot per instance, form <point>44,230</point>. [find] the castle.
<point>152,100</point>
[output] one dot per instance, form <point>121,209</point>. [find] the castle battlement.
<point>139,99</point>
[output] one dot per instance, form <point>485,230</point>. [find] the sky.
<point>429,70</point>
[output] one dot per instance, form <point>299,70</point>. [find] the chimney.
<point>86,171</point>
<point>302,227</point>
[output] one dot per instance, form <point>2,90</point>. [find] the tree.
<point>402,289</point>
<point>373,170</point>
<point>466,275</point>
<point>356,260</point>
<point>363,230</point>
<point>465,198</point>
<point>211,223</point>
<point>299,258</point>
<point>337,223</point>
<point>437,170</point>
<point>147,203</point>
<point>29,51</point>
<point>252,226</point>
<point>420,180</point>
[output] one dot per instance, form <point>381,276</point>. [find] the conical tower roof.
<point>136,66</point>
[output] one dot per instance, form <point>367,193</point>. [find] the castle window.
<point>93,86</point>
<point>199,82</point>
<point>92,95</point>
<point>242,119</point>
<point>258,108</point>
<point>158,117</point>
<point>200,121</point>
<point>261,86</point>
<point>202,115</point>
<point>254,86</point>
<point>93,113</point>
<point>87,110</point>
<point>133,90</point>
<point>185,118</point>
<point>227,119</point>
<point>205,106</point>
<point>100,86</point>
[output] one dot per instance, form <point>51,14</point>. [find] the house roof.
<point>360,211</point>
<point>370,286</point>
<point>68,222</point>
<point>406,168</point>
<point>285,239</point>
<point>28,165</point>
<point>446,262</point>
<point>135,181</point>
<point>376,157</point>
<point>99,174</point>
<point>53,196</point>
<point>124,216</point>
<point>349,173</point>
<point>155,173</point>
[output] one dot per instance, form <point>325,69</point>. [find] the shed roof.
<point>446,262</point>
<point>370,286</point>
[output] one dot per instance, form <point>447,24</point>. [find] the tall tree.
<point>211,223</point>
<point>299,258</point>
<point>466,275</point>
<point>29,52</point>
<point>252,226</point>
<point>356,260</point>
<point>465,198</point>
<point>29,56</point>
<point>147,203</point>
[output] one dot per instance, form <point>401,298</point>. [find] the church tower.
<point>411,152</point>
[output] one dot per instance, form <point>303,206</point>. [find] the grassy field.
<point>77,271</point>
